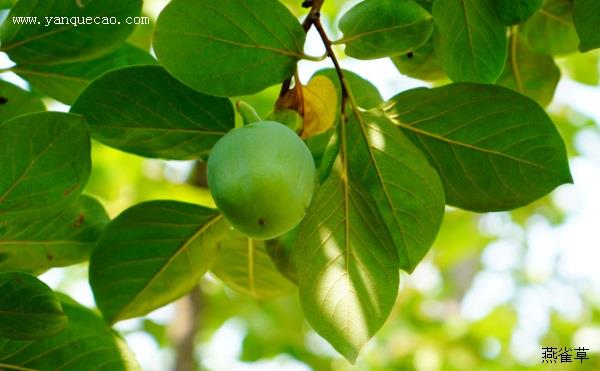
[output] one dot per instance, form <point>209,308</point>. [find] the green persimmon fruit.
<point>262,177</point>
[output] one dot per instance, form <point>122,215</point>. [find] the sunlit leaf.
<point>144,110</point>
<point>402,25</point>
<point>152,254</point>
<point>495,149</point>
<point>406,189</point>
<point>38,244</point>
<point>347,265</point>
<point>28,308</point>
<point>320,109</point>
<point>238,46</point>
<point>44,162</point>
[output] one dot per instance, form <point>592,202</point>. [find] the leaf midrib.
<point>239,44</point>
<point>168,262</point>
<point>469,146</point>
<point>345,40</point>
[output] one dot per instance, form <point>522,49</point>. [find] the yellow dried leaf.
<point>320,106</point>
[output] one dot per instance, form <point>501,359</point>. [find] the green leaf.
<point>56,40</point>
<point>406,189</point>
<point>280,251</point>
<point>517,11</point>
<point>15,101</point>
<point>38,244</point>
<point>44,162</point>
<point>144,110</point>
<point>238,47</point>
<point>470,40</point>
<point>365,93</point>
<point>421,63</point>
<point>529,72</point>
<point>586,15</point>
<point>551,29</point>
<point>347,265</point>
<point>142,36</point>
<point>28,308</point>
<point>64,82</point>
<point>324,147</point>
<point>6,4</point>
<point>86,343</point>
<point>244,265</point>
<point>152,254</point>
<point>494,149</point>
<point>401,26</point>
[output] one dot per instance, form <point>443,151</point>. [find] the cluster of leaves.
<point>482,142</point>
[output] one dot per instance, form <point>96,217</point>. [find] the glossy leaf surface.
<point>239,46</point>
<point>494,149</point>
<point>144,110</point>
<point>150,255</point>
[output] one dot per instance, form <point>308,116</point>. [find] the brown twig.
<point>315,8</point>
<point>338,69</point>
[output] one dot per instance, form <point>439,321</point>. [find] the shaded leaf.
<point>406,189</point>
<point>551,29</point>
<point>152,254</point>
<point>29,309</point>
<point>38,244</point>
<point>15,101</point>
<point>280,251</point>
<point>402,25</point>
<point>421,63</point>
<point>86,343</point>
<point>244,265</point>
<point>586,15</point>
<point>54,42</point>
<point>470,39</point>
<point>320,109</point>
<point>44,162</point>
<point>529,72</point>
<point>64,82</point>
<point>494,148</point>
<point>347,265</point>
<point>238,46</point>
<point>144,110</point>
<point>517,11</point>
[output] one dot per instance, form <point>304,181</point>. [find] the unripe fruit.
<point>262,178</point>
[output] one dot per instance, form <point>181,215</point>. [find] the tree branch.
<point>184,328</point>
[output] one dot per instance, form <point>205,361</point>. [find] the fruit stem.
<point>247,112</point>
